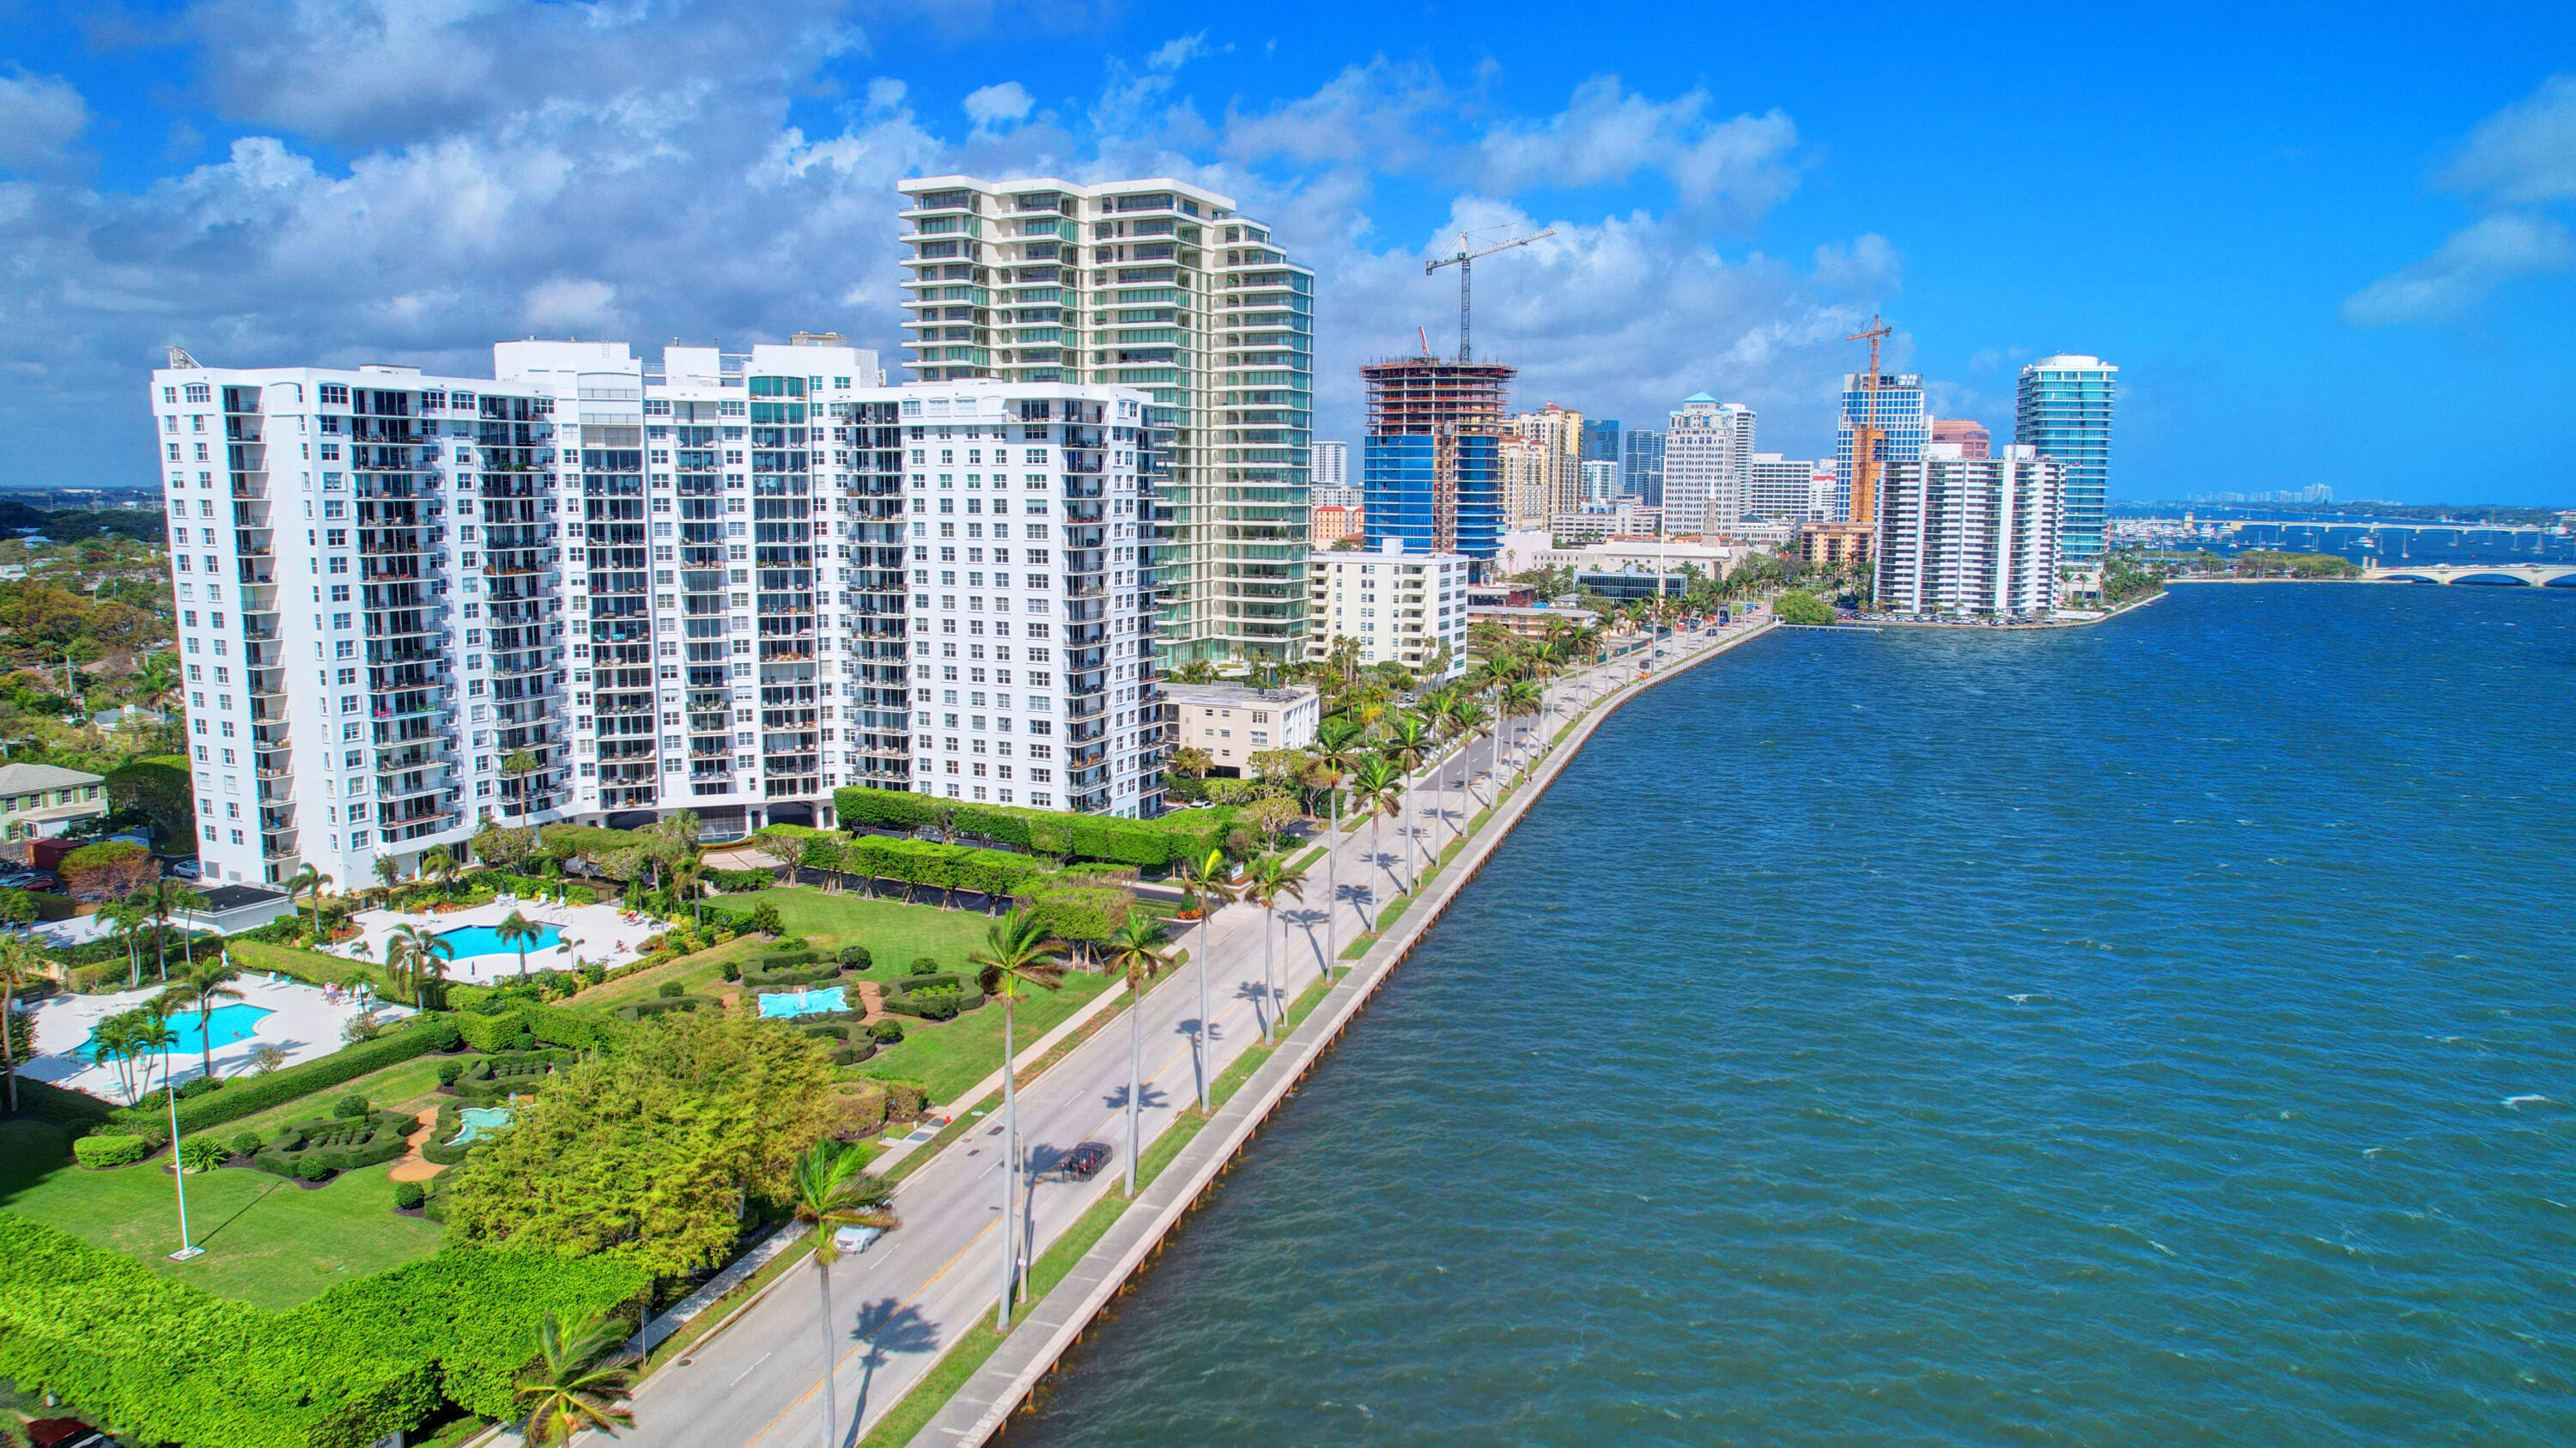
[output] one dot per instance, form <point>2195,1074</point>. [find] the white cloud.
<point>1867,267</point>
<point>2471,264</point>
<point>1008,101</point>
<point>580,180</point>
<point>41,120</point>
<point>2516,162</point>
<point>2525,153</point>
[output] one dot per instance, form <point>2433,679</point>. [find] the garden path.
<point>411,1166</point>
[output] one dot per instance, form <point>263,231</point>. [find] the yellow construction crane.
<point>1864,498</point>
<point>1465,262</point>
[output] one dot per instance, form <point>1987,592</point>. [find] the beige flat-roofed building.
<point>1233,722</point>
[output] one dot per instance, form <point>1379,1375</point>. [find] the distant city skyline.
<point>410,186</point>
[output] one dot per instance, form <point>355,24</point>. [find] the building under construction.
<point>1433,472</point>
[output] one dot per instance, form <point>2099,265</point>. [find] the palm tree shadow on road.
<point>887,1327</point>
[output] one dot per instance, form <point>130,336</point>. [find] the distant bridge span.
<point>2489,575</point>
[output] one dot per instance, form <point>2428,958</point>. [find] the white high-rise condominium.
<point>592,589</point>
<point>1961,535</point>
<point>1396,607</point>
<point>1796,489</point>
<point>1328,465</point>
<point>1708,452</point>
<point>1552,467</point>
<point>1155,284</point>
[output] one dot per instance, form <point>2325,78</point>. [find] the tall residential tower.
<point>2064,410</point>
<point>1155,284</point>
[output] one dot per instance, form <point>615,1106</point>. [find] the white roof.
<point>20,778</point>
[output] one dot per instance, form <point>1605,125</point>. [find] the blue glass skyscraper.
<point>2064,410</point>
<point>1432,461</point>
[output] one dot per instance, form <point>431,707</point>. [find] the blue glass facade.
<point>2064,410</point>
<point>1397,500</point>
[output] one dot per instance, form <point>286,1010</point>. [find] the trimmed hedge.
<point>167,1362</point>
<point>741,882</point>
<point>664,1005</point>
<point>248,1095</point>
<point>313,1149</point>
<point>553,1025</point>
<point>101,1152</point>
<point>1091,837</point>
<point>906,997</point>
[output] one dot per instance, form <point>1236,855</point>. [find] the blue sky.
<point>2324,245</point>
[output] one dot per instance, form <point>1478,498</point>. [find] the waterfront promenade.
<point>902,1304</point>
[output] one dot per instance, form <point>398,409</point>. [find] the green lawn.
<point>268,1241</point>
<point>699,974</point>
<point>949,1056</point>
<point>405,1085</point>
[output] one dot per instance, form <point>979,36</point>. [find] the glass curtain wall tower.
<point>2064,410</point>
<point>1158,285</point>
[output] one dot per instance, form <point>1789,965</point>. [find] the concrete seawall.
<point>979,1409</point>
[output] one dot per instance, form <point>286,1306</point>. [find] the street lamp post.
<point>178,1168</point>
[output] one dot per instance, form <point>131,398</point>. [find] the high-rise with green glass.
<point>1159,285</point>
<point>2064,410</point>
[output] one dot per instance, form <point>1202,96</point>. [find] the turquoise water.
<point>790,1003</point>
<point>2151,1034</point>
<point>473,940</point>
<point>478,1122</point>
<point>189,1031</point>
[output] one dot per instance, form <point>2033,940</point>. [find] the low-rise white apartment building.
<point>1233,722</point>
<point>1398,607</point>
<point>593,589</point>
<point>1523,552</point>
<point>1963,535</point>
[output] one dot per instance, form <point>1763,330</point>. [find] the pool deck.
<point>600,932</point>
<point>301,1020</point>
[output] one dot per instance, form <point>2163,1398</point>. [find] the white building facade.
<point>1328,465</point>
<point>1796,490</point>
<point>1399,607</point>
<point>591,589</point>
<point>1971,536</point>
<point>1708,453</point>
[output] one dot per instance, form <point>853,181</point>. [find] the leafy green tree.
<point>1799,606</point>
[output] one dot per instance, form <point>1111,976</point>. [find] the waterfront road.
<point>900,1304</point>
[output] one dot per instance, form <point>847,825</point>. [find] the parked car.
<point>66,1433</point>
<point>851,1240</point>
<point>1079,1164</point>
<point>186,870</point>
<point>30,880</point>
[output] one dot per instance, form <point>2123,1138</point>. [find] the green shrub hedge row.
<point>741,882</point>
<point>530,885</point>
<point>553,1025</point>
<point>314,1149</point>
<point>1150,843</point>
<point>167,1362</point>
<point>664,1005</point>
<point>932,997</point>
<point>248,1095</point>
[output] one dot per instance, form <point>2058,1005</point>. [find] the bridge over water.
<point>2490,575</point>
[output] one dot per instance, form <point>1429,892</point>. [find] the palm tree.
<point>201,987</point>
<point>579,1382</point>
<point>1331,763</point>
<point>148,1038</point>
<point>1408,743</point>
<point>415,959</point>
<point>20,962</point>
<point>1475,721</point>
<point>310,881</point>
<point>1135,948</point>
<point>1209,884</point>
<point>1522,698</point>
<point>154,681</point>
<point>388,875</point>
<point>126,919</point>
<point>1269,878</point>
<point>1016,953</point>
<point>1378,785</point>
<point>439,864</point>
<point>517,929</point>
<point>689,879</point>
<point>159,900</point>
<point>826,1191</point>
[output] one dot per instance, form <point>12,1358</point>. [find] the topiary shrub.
<point>448,1071</point>
<point>937,1003</point>
<point>855,957</point>
<point>199,1087</point>
<point>350,1105</point>
<point>201,1153</point>
<point>905,1099</point>
<point>924,965</point>
<point>732,971</point>
<point>315,1167</point>
<point>409,1195</point>
<point>101,1152</point>
<point>670,990</point>
<point>765,921</point>
<point>246,1143</point>
<point>886,1032</point>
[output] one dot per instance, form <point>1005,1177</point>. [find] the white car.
<point>850,1241</point>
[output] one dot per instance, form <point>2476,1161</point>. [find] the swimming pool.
<point>479,1122</point>
<point>787,1004</point>
<point>189,1031</point>
<point>473,940</point>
